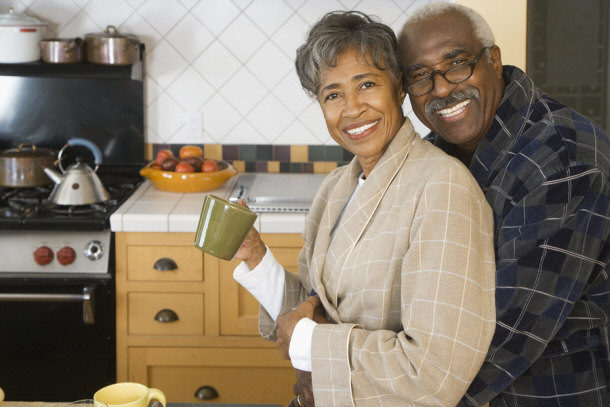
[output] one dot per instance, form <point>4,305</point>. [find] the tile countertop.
<point>149,209</point>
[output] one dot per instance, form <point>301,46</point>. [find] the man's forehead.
<point>442,26</point>
<point>430,40</point>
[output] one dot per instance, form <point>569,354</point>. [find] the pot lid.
<point>110,32</point>
<point>27,150</point>
<point>16,19</point>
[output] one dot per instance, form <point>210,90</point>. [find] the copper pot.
<point>21,167</point>
<point>112,48</point>
<point>63,50</point>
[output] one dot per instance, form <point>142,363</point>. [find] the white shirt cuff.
<point>265,282</point>
<point>300,344</point>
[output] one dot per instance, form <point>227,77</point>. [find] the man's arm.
<point>548,245</point>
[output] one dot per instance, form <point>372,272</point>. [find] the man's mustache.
<point>455,97</point>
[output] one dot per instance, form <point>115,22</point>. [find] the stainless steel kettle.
<point>79,184</point>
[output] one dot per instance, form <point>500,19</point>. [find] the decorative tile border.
<point>315,159</point>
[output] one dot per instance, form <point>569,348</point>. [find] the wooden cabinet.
<point>186,327</point>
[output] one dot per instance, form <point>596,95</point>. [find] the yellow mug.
<point>128,394</point>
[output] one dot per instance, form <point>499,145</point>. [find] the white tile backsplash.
<point>216,15</point>
<point>181,37</point>
<point>230,60</point>
<point>190,90</point>
<point>243,38</point>
<point>217,64</point>
<point>270,117</point>
<point>109,12</point>
<point>269,15</point>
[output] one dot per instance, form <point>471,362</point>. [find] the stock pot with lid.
<point>20,37</point>
<point>112,48</point>
<point>21,167</point>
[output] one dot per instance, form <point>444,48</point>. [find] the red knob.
<point>43,255</point>
<point>66,255</point>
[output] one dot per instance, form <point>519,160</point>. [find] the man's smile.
<point>453,111</point>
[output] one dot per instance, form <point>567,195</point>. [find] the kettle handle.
<point>97,154</point>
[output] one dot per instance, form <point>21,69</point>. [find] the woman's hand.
<point>286,323</point>
<point>253,248</point>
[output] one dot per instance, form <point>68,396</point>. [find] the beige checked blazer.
<point>407,278</point>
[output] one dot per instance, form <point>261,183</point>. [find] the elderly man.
<point>544,170</point>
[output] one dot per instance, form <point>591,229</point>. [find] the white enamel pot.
<point>20,37</point>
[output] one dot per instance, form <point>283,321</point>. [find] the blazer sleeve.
<point>447,311</point>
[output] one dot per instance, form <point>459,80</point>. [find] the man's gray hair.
<point>340,31</point>
<point>480,27</point>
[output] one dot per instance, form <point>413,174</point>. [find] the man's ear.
<point>496,60</point>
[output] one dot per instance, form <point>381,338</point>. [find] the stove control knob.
<point>66,255</point>
<point>43,255</point>
<point>94,250</point>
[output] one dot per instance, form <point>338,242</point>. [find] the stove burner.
<point>30,208</point>
<point>81,210</point>
<point>28,194</point>
<point>7,212</point>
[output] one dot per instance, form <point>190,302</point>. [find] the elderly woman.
<point>398,244</point>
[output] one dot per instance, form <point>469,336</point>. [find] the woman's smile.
<point>360,131</point>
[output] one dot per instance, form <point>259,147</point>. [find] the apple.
<point>169,163</point>
<point>209,166</point>
<point>184,167</point>
<point>195,162</point>
<point>162,155</point>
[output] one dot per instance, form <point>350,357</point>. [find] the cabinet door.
<point>165,313</point>
<point>214,375</point>
<point>238,309</point>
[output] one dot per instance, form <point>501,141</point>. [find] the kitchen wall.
<point>220,72</point>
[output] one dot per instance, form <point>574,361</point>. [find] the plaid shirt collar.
<point>512,113</point>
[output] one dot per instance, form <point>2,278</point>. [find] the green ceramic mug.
<point>222,227</point>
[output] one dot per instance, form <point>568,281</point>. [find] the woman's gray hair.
<point>337,32</point>
<point>481,29</point>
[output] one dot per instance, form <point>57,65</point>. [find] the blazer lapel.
<point>364,205</point>
<point>356,216</point>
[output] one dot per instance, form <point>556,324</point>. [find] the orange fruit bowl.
<point>171,181</point>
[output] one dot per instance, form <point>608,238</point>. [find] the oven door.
<point>56,341</point>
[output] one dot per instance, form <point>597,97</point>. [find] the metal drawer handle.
<point>87,297</point>
<point>166,315</point>
<point>206,393</point>
<point>165,264</point>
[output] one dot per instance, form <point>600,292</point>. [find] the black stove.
<point>30,208</point>
<point>57,291</point>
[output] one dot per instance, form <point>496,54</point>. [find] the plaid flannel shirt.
<point>544,170</point>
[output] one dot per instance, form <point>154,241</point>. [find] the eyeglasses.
<point>454,75</point>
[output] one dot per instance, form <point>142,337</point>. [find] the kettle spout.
<point>55,176</point>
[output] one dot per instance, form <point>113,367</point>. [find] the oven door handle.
<point>87,297</point>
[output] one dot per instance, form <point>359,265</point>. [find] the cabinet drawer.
<point>235,375</point>
<point>151,313</point>
<point>164,263</point>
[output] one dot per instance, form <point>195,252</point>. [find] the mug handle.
<point>156,394</point>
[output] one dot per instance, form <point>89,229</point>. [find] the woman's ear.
<point>400,90</point>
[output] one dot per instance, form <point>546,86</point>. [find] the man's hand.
<point>304,389</point>
<point>286,323</point>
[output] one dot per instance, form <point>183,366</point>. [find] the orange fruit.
<point>190,151</point>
